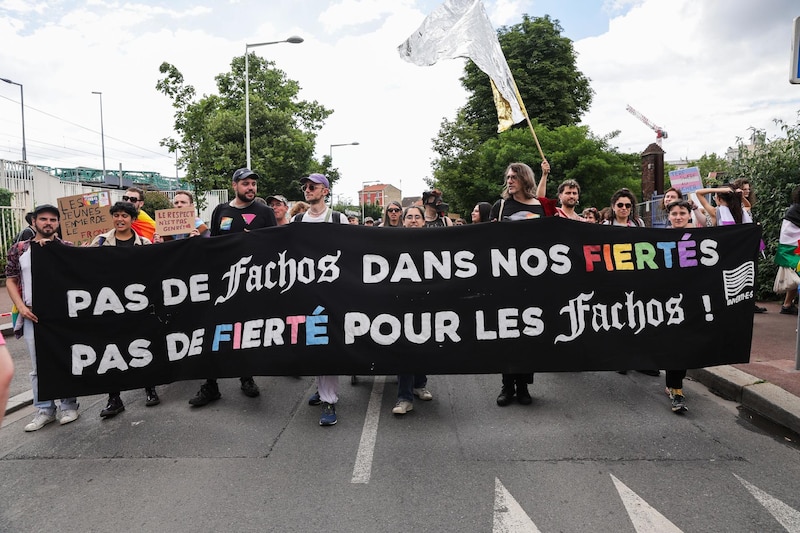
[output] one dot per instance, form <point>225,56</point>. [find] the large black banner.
<point>310,299</point>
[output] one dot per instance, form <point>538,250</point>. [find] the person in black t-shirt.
<point>242,213</point>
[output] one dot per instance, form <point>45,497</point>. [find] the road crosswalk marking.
<point>788,517</point>
<point>643,517</point>
<point>509,517</point>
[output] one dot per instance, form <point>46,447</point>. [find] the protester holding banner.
<point>316,189</point>
<point>410,385</point>
<point>46,219</point>
<point>519,202</point>
<point>143,224</point>
<point>680,216</point>
<point>623,206</point>
<point>241,214</point>
<point>123,214</point>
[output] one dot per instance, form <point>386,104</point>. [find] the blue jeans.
<point>48,406</point>
<point>406,383</point>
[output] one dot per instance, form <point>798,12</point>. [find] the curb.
<point>757,395</point>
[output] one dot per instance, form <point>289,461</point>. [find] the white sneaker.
<point>402,407</point>
<point>67,416</point>
<point>39,421</point>
<point>423,394</point>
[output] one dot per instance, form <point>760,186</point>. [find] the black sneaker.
<point>759,309</point>
<point>114,407</point>
<point>523,396</point>
<point>791,310</point>
<point>249,388</point>
<point>206,394</point>
<point>506,396</point>
<point>151,397</point>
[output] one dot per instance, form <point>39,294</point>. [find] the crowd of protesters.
<point>521,199</point>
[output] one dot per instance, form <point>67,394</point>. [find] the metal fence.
<point>31,186</point>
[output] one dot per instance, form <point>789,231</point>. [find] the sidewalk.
<point>768,385</point>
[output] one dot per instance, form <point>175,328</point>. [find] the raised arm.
<point>541,189</point>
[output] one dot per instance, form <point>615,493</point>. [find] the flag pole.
<point>527,119</point>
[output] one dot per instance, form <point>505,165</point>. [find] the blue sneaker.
<point>314,399</point>
<point>328,417</point>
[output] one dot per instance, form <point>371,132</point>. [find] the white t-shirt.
<point>328,213</point>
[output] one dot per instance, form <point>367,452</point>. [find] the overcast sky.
<point>706,71</point>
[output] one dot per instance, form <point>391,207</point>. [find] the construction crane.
<point>660,132</point>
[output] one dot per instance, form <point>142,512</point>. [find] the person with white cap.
<point>280,206</point>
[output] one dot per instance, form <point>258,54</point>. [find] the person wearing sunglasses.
<point>520,202</point>
<point>393,217</point>
<point>241,214</point>
<point>316,189</point>
<point>143,224</point>
<point>623,206</point>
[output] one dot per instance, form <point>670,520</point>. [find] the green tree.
<point>153,201</point>
<point>543,64</point>
<point>573,153</point>
<point>773,169</point>
<point>211,131</point>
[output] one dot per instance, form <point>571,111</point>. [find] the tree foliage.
<point>211,131</point>
<point>773,169</point>
<point>573,153</point>
<point>543,64</point>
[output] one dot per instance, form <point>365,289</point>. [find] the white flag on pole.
<point>461,28</point>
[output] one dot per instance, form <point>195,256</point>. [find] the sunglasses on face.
<point>623,206</point>
<point>309,187</point>
<point>392,210</point>
<point>130,198</point>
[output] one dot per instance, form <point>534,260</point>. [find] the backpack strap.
<point>298,217</point>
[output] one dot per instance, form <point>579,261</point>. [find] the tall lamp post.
<point>294,39</point>
<point>361,195</point>
<point>330,152</point>
<point>22,105</point>
<point>103,139</point>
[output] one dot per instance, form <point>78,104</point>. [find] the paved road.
<point>595,452</point>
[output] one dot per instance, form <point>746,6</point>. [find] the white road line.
<point>363,467</point>
<point>788,517</point>
<point>509,517</point>
<point>644,518</point>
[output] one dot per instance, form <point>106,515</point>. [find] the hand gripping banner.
<point>314,299</point>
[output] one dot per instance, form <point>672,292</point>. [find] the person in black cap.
<point>18,283</point>
<point>242,213</point>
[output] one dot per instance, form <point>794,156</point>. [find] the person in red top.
<point>144,225</point>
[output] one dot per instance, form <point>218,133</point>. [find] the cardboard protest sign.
<point>175,221</point>
<point>85,216</point>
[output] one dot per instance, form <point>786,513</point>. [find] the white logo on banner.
<point>739,283</point>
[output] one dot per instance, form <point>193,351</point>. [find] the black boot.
<point>523,396</point>
<point>151,397</point>
<point>114,407</point>
<point>506,395</point>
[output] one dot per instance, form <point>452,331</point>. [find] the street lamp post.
<point>103,139</point>
<point>294,39</point>
<point>363,186</point>
<point>342,144</point>
<point>22,105</point>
